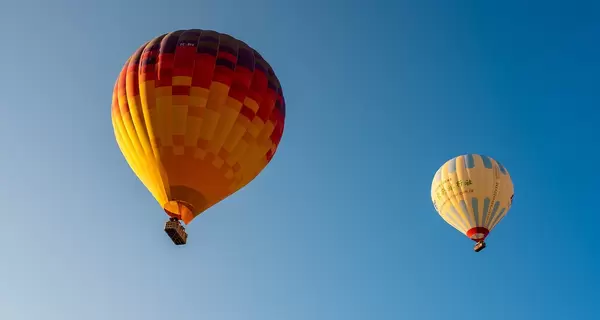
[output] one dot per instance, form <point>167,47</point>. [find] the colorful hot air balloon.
<point>197,115</point>
<point>472,193</point>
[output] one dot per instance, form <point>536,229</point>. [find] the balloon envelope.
<point>472,193</point>
<point>197,115</point>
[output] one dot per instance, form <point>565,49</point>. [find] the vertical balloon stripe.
<point>502,169</point>
<point>136,162</point>
<point>458,217</point>
<point>135,126</point>
<point>452,220</point>
<point>468,215</point>
<point>452,166</point>
<point>487,162</point>
<point>470,161</point>
<point>497,218</point>
<point>476,214</point>
<point>484,212</point>
<point>490,215</point>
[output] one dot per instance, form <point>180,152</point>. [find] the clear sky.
<point>340,225</point>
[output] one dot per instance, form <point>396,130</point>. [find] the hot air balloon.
<point>197,115</point>
<point>472,193</point>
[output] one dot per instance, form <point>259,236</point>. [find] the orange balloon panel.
<point>197,115</point>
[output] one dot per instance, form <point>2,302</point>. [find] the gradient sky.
<point>340,225</point>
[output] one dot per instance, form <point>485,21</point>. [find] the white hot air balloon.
<point>472,193</point>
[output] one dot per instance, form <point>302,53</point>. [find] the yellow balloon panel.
<point>197,115</point>
<point>472,193</point>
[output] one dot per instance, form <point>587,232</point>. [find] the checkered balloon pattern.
<point>197,115</point>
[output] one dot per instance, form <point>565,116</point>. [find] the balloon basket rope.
<point>479,246</point>
<point>176,231</point>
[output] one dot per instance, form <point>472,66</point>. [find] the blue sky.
<point>340,225</point>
